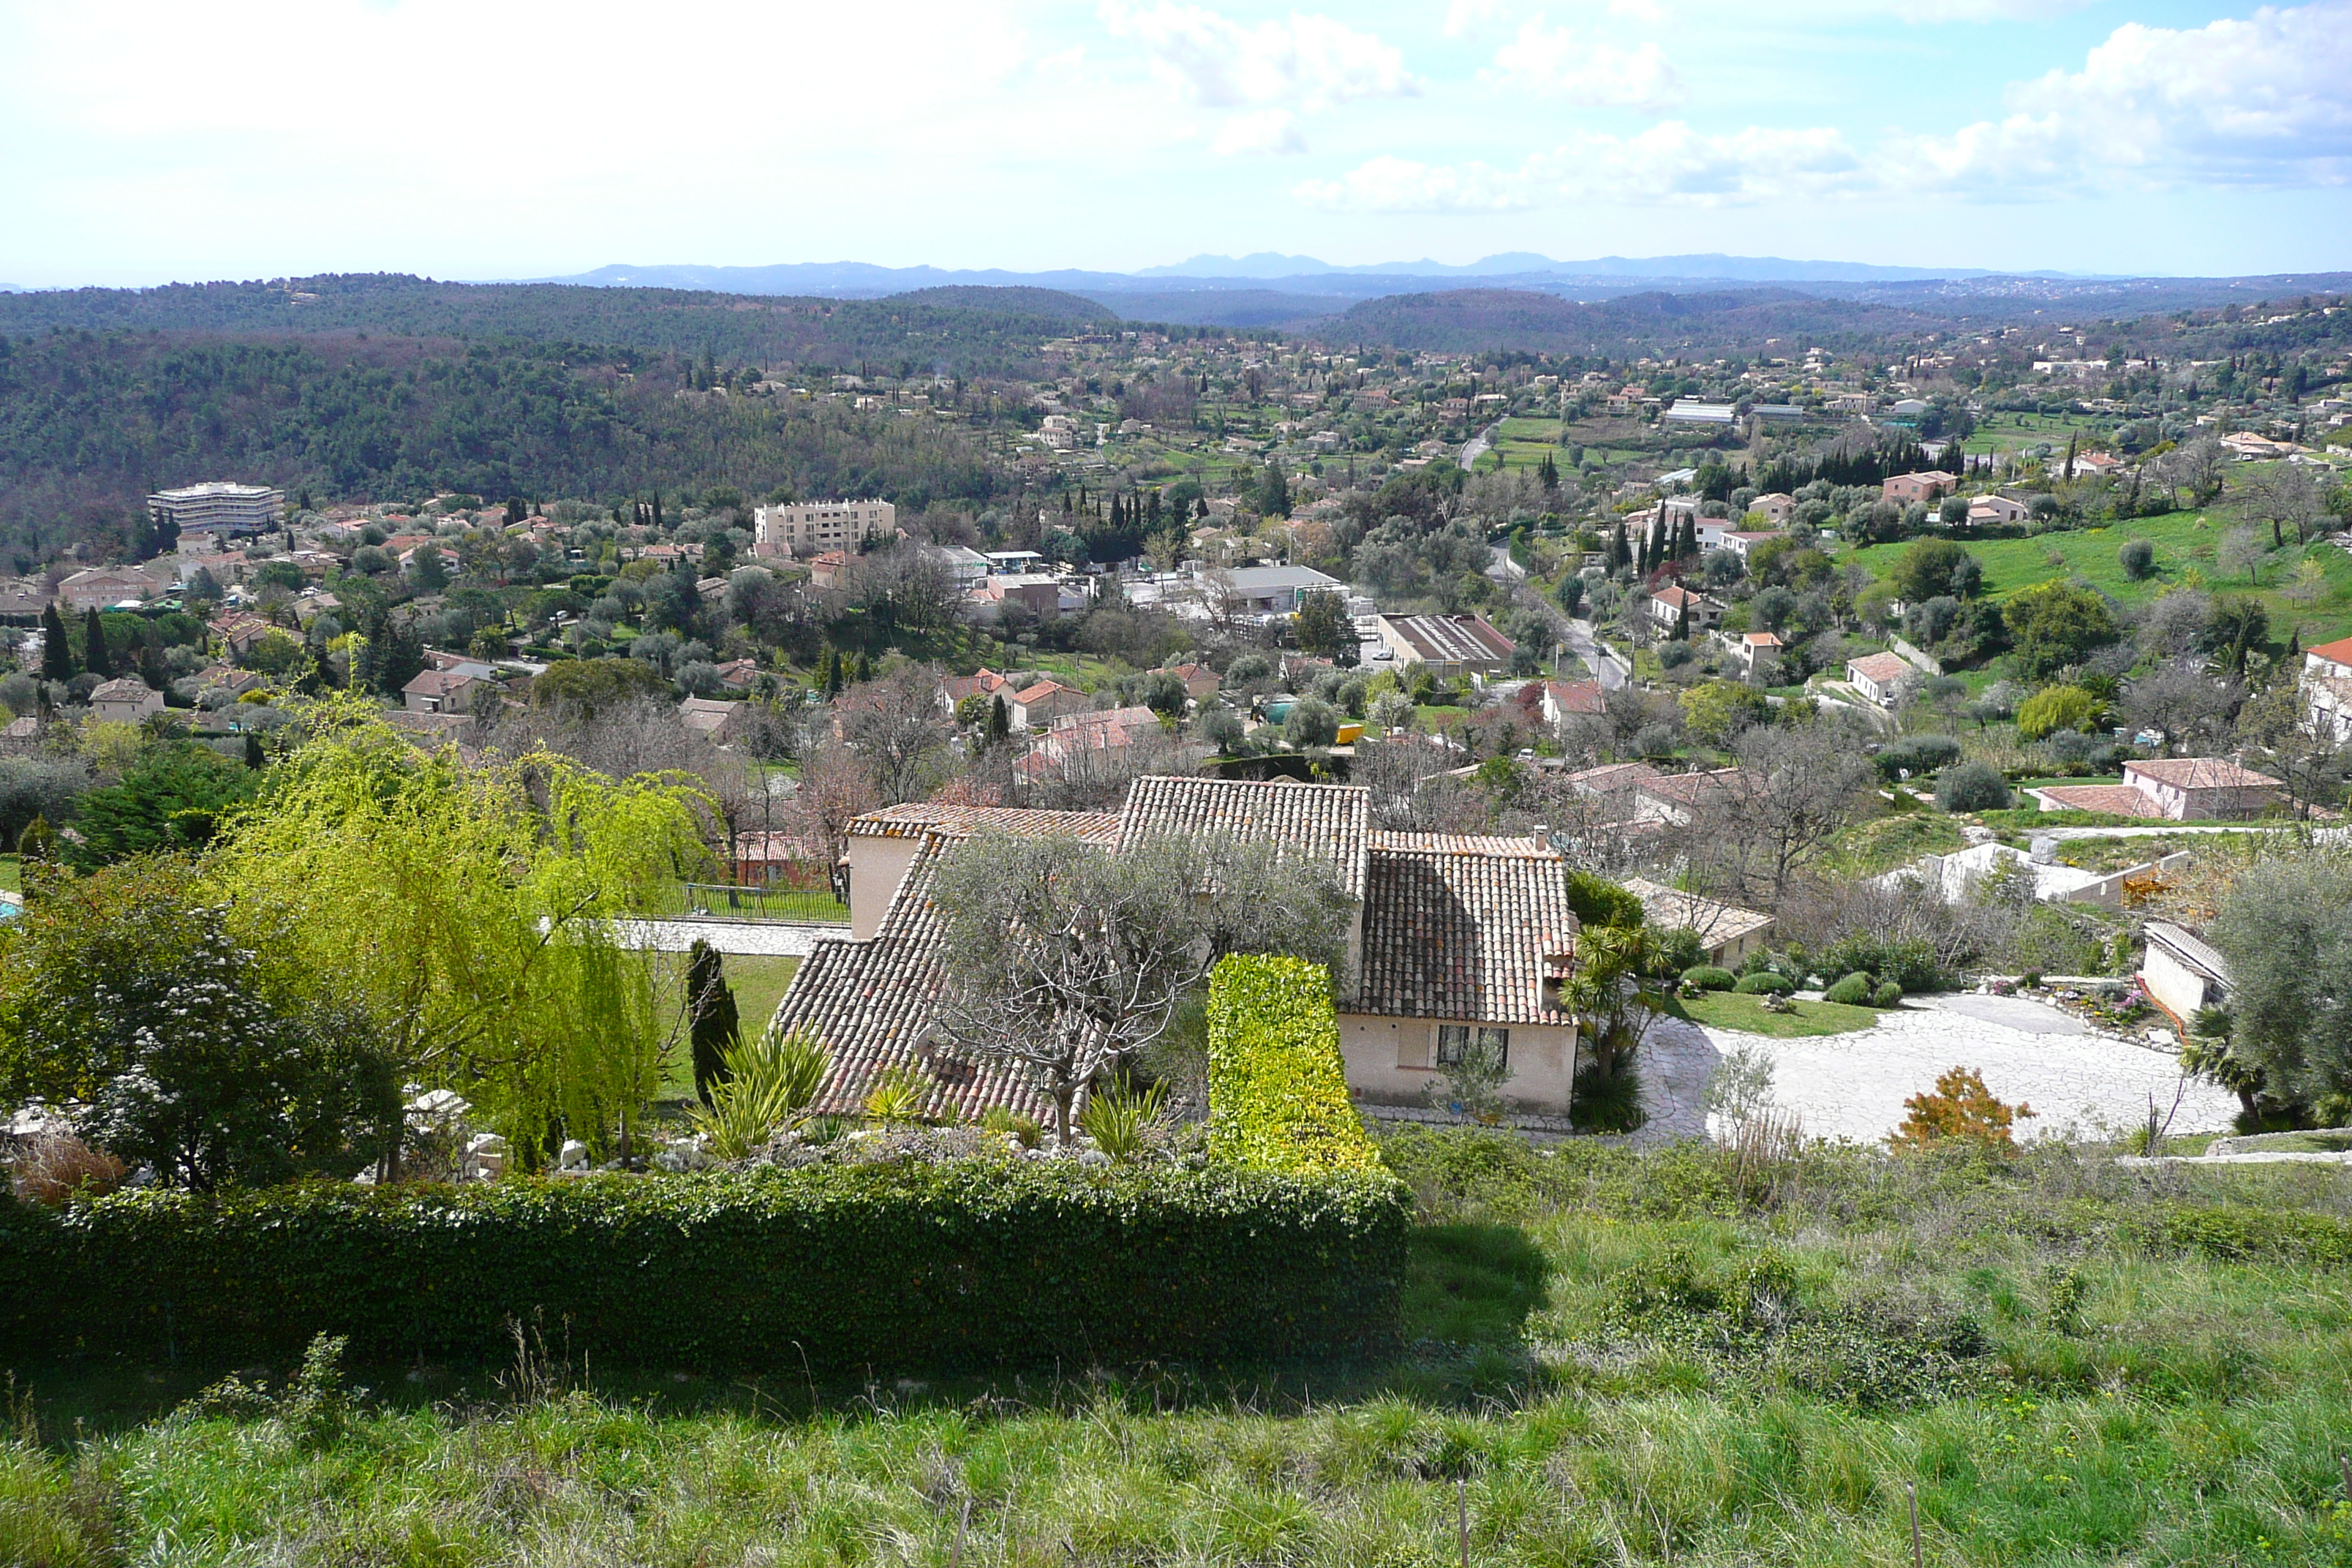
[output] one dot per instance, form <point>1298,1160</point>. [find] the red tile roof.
<point>1327,822</point>
<point>1464,928</point>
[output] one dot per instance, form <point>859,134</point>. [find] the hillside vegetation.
<point>1685,1357</point>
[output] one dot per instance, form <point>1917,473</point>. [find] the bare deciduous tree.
<point>2183,702</point>
<point>2285,495</point>
<point>1066,959</point>
<point>1793,788</point>
<point>895,727</point>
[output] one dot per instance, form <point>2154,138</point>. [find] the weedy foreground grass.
<point>1683,1356</point>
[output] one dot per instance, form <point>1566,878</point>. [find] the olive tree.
<point>2285,927</point>
<point>1066,959</point>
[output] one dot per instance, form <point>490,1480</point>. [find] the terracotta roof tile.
<point>916,818</point>
<point>1455,928</point>
<point>1327,822</point>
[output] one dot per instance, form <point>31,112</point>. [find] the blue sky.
<point>141,142</point>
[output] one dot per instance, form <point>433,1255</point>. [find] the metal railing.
<point>808,906</point>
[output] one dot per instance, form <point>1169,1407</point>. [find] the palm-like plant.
<point>769,1082</point>
<point>1116,1120</point>
<point>897,1098</point>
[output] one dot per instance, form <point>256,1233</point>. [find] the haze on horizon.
<point>148,143</point>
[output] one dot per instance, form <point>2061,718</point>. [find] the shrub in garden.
<point>1887,995</point>
<point>1764,981</point>
<point>1958,1109</point>
<point>2137,558</point>
<point>1917,756</point>
<point>1708,977</point>
<point>1598,901</point>
<point>1910,964</point>
<point>1277,1087</point>
<point>1972,786</point>
<point>957,1264</point>
<point>1852,991</point>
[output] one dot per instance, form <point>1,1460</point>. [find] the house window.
<point>1454,1042</point>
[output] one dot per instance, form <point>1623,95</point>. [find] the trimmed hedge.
<point>1853,991</point>
<point>1708,977</point>
<point>1887,995</point>
<point>1765,980</point>
<point>893,1266</point>
<point>1277,1087</point>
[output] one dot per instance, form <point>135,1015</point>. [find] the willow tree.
<point>477,913</point>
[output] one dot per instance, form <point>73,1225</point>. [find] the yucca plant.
<point>1025,1131</point>
<point>896,1097</point>
<point>1115,1118</point>
<point>769,1082</point>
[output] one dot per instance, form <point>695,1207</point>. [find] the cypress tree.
<point>716,1020</point>
<point>56,654</point>
<point>1000,720</point>
<point>95,656</point>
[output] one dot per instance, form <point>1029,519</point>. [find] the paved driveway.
<point>1853,1086</point>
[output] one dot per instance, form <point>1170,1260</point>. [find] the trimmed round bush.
<point>1886,995</point>
<point>1764,981</point>
<point>1972,786</point>
<point>1708,977</point>
<point>2137,558</point>
<point>1853,991</point>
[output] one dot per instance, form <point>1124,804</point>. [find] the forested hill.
<point>91,422</point>
<point>969,331</point>
<point>1474,319</point>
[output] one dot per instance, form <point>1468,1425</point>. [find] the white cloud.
<point>1401,185</point>
<point>1261,131</point>
<point>1307,63</point>
<point>2259,100</point>
<point>1668,164</point>
<point>1553,62</point>
<point>1465,17</point>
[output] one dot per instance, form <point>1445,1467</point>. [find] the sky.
<point>153,141</point>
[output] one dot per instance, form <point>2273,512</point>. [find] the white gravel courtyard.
<point>1853,1086</point>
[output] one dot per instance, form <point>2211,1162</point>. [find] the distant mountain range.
<point>1298,274</point>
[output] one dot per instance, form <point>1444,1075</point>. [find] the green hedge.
<point>1277,1087</point>
<point>1763,981</point>
<point>901,1266</point>
<point>1708,978</point>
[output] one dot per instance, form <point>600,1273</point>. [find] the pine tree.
<point>1682,623</point>
<point>95,656</point>
<point>864,668</point>
<point>1548,473</point>
<point>2071,439</point>
<point>1000,720</point>
<point>657,509</point>
<point>253,758</point>
<point>56,654</point>
<point>716,1020</point>
<point>828,672</point>
<point>1617,557</point>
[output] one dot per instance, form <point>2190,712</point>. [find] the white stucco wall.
<point>1391,1061</point>
<point>876,867</point>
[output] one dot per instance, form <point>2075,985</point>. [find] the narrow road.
<point>1580,642</point>
<point>1478,446</point>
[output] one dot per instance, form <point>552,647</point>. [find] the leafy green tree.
<point>1274,491</point>
<point>585,689</point>
<point>124,999</point>
<point>2055,624</point>
<point>2235,628</point>
<point>2286,926</point>
<point>470,912</point>
<point>173,795</point>
<point>1312,723</point>
<point>1322,625</point>
<point>1925,569</point>
<point>2055,707</point>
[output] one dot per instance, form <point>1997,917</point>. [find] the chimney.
<point>1542,836</point>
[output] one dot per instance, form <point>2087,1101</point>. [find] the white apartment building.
<point>810,528</point>
<point>218,508</point>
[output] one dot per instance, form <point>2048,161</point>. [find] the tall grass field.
<point>1691,1356</point>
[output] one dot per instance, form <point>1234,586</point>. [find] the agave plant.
<point>1116,1120</point>
<point>769,1082</point>
<point>896,1099</point>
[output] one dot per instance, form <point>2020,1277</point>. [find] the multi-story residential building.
<point>217,508</point>
<point>2326,682</point>
<point>808,528</point>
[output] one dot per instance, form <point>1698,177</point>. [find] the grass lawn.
<point>1630,1358</point>
<point>12,874</point>
<point>1730,1010</point>
<point>1898,839</point>
<point>758,984</point>
<point>2185,544</point>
